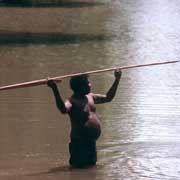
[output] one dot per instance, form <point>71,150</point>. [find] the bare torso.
<point>84,121</point>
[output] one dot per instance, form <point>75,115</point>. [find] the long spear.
<point>59,78</point>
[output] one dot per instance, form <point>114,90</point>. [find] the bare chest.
<point>89,106</point>
<point>85,104</point>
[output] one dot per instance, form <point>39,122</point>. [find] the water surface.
<point>140,127</point>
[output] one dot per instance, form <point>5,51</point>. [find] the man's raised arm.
<point>98,98</point>
<point>59,102</point>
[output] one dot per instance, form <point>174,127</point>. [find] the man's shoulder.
<point>91,95</point>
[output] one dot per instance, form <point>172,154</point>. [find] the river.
<point>140,128</point>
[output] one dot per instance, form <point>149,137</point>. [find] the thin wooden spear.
<point>59,78</point>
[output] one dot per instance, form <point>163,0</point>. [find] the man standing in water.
<point>85,125</point>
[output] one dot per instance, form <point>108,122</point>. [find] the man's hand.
<point>51,83</point>
<point>117,73</point>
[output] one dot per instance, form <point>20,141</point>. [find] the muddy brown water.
<point>140,127</point>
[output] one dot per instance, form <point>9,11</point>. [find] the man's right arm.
<point>59,102</point>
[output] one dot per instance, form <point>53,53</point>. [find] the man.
<point>85,125</point>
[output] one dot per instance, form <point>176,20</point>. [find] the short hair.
<point>77,82</point>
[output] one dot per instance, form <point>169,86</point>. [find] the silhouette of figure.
<point>85,125</point>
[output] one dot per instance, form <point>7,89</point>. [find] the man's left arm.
<point>98,98</point>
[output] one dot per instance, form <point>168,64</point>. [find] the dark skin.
<point>81,107</point>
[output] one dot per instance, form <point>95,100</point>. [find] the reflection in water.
<point>48,3</point>
<point>140,128</point>
<point>8,38</point>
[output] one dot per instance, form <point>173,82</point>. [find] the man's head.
<point>80,84</point>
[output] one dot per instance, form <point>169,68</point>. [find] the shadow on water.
<point>25,38</point>
<point>52,171</point>
<point>63,4</point>
<point>66,168</point>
